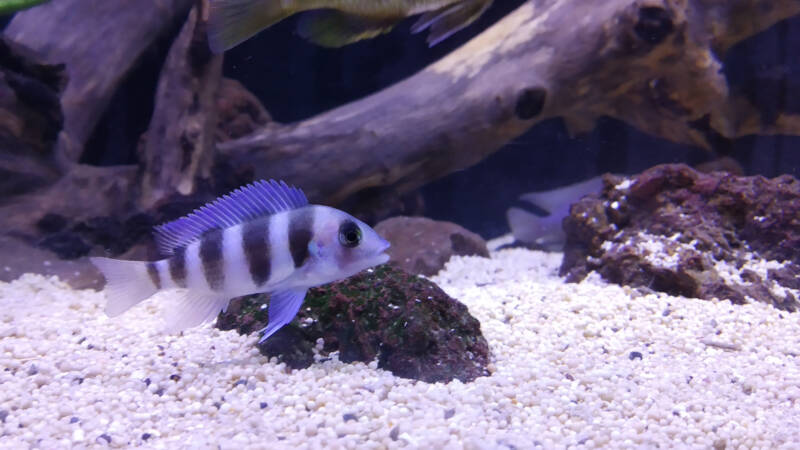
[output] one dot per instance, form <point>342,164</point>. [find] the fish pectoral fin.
<point>193,309</point>
<point>331,28</point>
<point>445,21</point>
<point>231,22</point>
<point>283,306</point>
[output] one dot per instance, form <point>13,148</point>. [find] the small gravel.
<point>585,365</point>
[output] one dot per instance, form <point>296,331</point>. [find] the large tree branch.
<point>83,193</point>
<point>98,41</point>
<point>649,63</point>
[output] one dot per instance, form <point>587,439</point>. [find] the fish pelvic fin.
<point>127,283</point>
<point>446,21</point>
<point>283,306</point>
<point>231,22</point>
<point>193,309</point>
<point>331,28</point>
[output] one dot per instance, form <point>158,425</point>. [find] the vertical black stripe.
<point>255,243</point>
<point>301,230</point>
<point>152,270</point>
<point>177,266</point>
<point>211,258</point>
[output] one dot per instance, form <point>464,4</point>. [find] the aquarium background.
<point>657,308</point>
<point>296,80</point>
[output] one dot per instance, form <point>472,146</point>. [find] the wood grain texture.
<point>178,147</point>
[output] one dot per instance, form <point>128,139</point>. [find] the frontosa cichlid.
<point>264,237</point>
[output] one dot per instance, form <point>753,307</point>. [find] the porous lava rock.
<point>408,323</point>
<point>701,235</point>
<point>423,246</point>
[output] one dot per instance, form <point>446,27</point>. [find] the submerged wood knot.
<point>530,102</point>
<point>654,24</point>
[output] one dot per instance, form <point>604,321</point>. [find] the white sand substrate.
<point>574,365</point>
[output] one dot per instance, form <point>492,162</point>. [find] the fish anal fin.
<point>429,18</point>
<point>331,28</point>
<point>447,20</point>
<point>283,306</point>
<point>192,309</point>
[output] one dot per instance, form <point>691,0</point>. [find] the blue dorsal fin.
<point>258,199</point>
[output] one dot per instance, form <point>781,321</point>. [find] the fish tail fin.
<point>231,22</point>
<point>542,232</point>
<point>127,283</point>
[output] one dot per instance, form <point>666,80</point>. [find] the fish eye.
<point>349,234</point>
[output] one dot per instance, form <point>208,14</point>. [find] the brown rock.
<point>423,246</point>
<point>683,232</point>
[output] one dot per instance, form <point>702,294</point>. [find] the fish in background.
<point>545,231</point>
<point>264,237</point>
<point>12,6</point>
<point>336,23</point>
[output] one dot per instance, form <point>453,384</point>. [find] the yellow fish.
<point>12,6</point>
<point>335,23</point>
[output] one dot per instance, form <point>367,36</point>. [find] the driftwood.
<point>99,41</point>
<point>176,152</point>
<point>652,64</point>
<point>83,193</point>
<point>179,144</point>
<point>30,119</point>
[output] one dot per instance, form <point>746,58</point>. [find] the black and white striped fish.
<point>264,237</point>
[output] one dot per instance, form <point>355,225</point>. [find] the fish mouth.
<point>381,257</point>
<point>384,245</point>
<point>372,261</point>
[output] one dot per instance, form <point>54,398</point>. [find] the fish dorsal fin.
<point>262,198</point>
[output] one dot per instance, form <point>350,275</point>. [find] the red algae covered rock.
<point>679,231</point>
<point>408,323</point>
